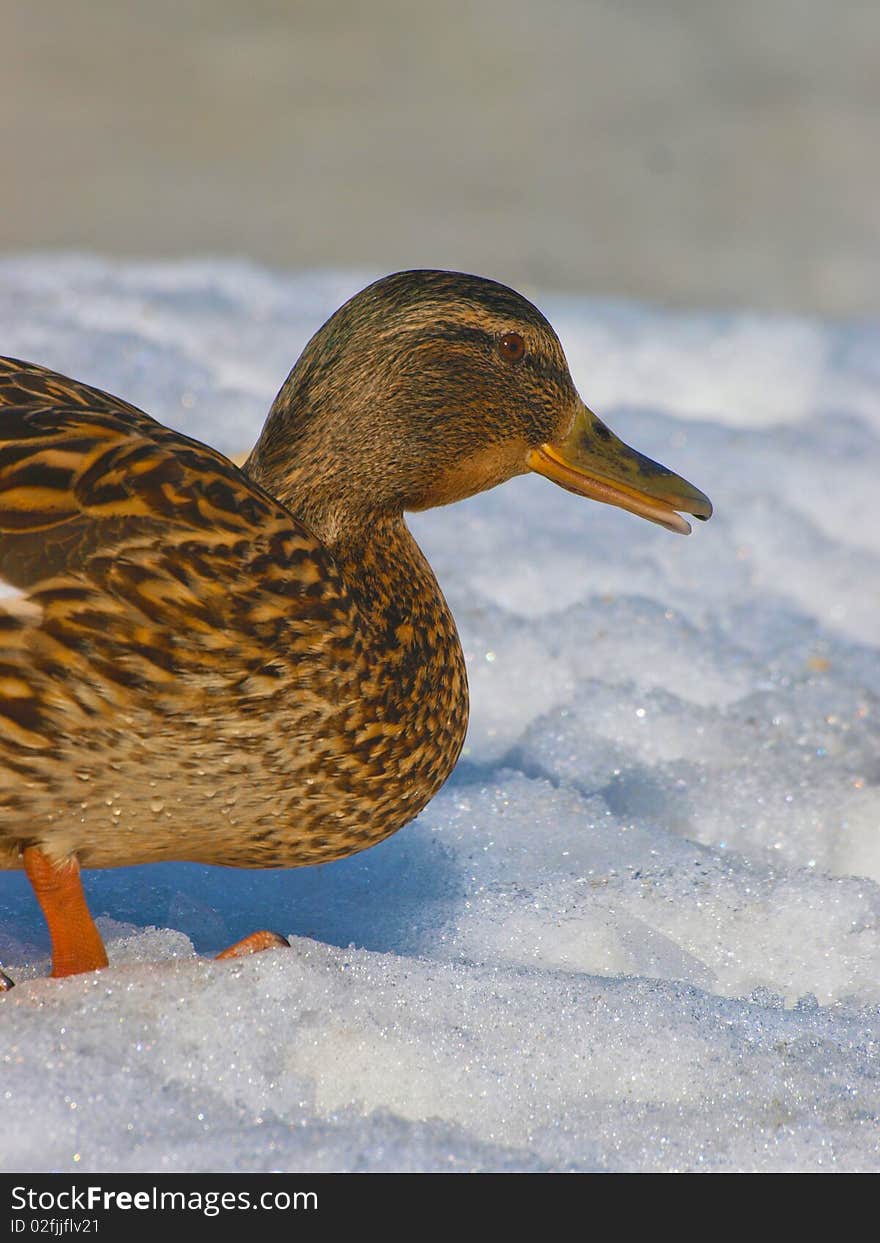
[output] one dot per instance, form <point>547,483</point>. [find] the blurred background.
<point>682,152</point>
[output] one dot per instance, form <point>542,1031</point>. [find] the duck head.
<point>430,386</point>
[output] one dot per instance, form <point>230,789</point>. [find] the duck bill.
<point>593,462</point>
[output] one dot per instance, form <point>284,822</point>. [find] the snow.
<point>640,926</point>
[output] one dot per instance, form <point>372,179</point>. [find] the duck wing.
<point>82,471</point>
<point>161,616</point>
<point>144,556</point>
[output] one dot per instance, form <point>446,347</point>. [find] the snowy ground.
<point>640,927</point>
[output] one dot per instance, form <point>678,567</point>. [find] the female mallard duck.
<point>257,667</point>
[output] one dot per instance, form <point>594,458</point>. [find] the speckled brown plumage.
<point>255,726</point>
<point>255,667</point>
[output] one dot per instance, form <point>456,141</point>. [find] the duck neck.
<point>329,491</point>
<point>398,594</point>
<point>323,500</point>
<point>403,612</point>
<point>322,467</point>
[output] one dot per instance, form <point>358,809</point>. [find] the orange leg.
<point>76,942</point>
<point>253,944</point>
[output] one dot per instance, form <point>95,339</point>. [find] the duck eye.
<point>511,347</point>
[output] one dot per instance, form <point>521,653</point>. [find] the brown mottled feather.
<point>195,671</point>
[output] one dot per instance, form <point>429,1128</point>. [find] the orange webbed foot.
<point>76,942</point>
<point>254,944</point>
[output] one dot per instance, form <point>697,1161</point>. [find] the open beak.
<point>593,462</point>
